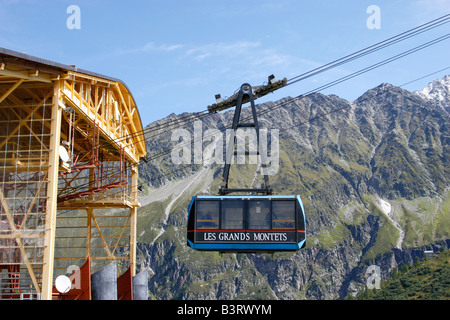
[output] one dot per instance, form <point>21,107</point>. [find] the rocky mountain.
<point>373,174</point>
<point>438,93</point>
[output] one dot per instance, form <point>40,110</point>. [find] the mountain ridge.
<point>438,93</point>
<point>374,178</point>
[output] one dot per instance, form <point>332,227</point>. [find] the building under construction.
<point>70,144</point>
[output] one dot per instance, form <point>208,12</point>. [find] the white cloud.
<point>432,8</point>
<point>241,53</point>
<point>151,47</point>
<point>271,58</point>
<point>437,5</point>
<point>222,49</point>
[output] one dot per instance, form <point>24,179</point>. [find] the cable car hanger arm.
<point>258,91</point>
<point>246,94</point>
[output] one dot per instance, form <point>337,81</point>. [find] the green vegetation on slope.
<point>428,279</point>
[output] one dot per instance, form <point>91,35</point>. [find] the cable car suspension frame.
<point>246,94</point>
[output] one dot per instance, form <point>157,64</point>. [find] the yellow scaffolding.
<point>70,145</point>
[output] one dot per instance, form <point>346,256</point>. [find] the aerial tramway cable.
<point>335,82</point>
<point>326,67</point>
<point>420,29</point>
<point>167,174</point>
<point>373,48</point>
<point>316,90</point>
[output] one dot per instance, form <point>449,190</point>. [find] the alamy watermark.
<point>374,277</point>
<point>374,20</point>
<point>64,283</point>
<point>74,20</point>
<point>191,149</point>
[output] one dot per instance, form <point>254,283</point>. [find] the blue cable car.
<point>246,223</point>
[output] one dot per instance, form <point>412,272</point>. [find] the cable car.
<point>246,223</point>
<point>258,222</point>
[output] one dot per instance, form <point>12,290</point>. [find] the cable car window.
<point>259,217</point>
<point>233,214</point>
<point>283,214</point>
<point>207,214</point>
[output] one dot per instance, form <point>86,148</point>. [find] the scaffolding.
<point>69,153</point>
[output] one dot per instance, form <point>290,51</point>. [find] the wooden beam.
<point>24,75</point>
<point>17,236</point>
<point>10,90</point>
<point>124,226</point>
<point>109,131</point>
<point>23,121</point>
<point>52,188</point>
<point>100,233</point>
<point>133,127</point>
<point>30,208</point>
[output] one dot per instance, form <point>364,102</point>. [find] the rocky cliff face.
<point>438,93</point>
<point>373,174</point>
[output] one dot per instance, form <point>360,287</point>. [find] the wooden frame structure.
<point>70,145</point>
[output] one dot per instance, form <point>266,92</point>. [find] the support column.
<point>90,213</point>
<point>52,186</point>
<point>133,219</point>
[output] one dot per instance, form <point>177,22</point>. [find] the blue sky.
<point>175,55</point>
